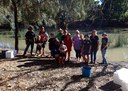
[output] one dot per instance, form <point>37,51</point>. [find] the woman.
<point>77,43</point>
<point>66,38</point>
<point>95,46</point>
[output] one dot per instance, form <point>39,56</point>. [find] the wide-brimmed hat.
<point>30,27</point>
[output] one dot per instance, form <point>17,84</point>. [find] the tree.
<point>14,3</point>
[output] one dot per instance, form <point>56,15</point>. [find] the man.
<point>59,35</point>
<point>29,37</point>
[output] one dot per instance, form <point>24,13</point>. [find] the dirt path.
<point>37,74</point>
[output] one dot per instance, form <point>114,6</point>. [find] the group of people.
<point>60,45</point>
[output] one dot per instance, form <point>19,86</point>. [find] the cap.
<point>104,33</point>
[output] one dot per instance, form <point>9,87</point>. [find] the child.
<point>52,45</point>
<point>66,38</point>
<point>86,49</point>
<point>62,54</point>
<point>39,42</point>
<point>104,47</point>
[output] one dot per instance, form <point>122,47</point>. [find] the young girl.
<point>39,42</point>
<point>86,49</point>
<point>66,38</point>
<point>104,47</point>
<point>62,54</point>
<point>44,38</point>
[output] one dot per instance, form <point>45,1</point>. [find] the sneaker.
<point>101,63</point>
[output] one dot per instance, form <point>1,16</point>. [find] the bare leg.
<point>42,51</point>
<point>68,55</point>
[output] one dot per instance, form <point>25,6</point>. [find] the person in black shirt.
<point>29,37</point>
<point>86,49</point>
<point>95,46</point>
<point>52,45</point>
<point>104,47</point>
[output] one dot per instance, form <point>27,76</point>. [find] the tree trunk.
<point>16,26</point>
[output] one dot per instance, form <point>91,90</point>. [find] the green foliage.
<point>36,11</point>
<point>118,9</point>
<point>118,40</point>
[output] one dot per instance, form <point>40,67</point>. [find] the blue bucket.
<point>86,71</point>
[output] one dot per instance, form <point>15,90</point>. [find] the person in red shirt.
<point>66,38</point>
<point>44,38</point>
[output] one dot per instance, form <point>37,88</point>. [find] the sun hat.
<point>30,27</point>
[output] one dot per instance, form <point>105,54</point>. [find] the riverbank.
<point>39,74</point>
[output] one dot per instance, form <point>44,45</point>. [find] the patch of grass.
<point>118,40</point>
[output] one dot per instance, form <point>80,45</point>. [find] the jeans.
<point>78,53</point>
<point>103,52</point>
<point>26,49</point>
<point>93,55</point>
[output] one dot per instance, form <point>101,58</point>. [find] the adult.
<point>44,38</point>
<point>104,46</point>
<point>59,35</point>
<point>29,38</point>
<point>95,46</point>
<point>66,38</point>
<point>77,43</point>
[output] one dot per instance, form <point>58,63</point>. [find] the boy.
<point>104,47</point>
<point>52,44</point>
<point>86,49</point>
<point>62,54</point>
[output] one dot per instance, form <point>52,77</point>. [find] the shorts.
<point>54,52</point>
<point>38,48</point>
<point>62,54</point>
<point>43,45</point>
<point>86,53</point>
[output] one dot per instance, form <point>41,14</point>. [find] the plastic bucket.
<point>14,53</point>
<point>86,71</point>
<point>4,53</point>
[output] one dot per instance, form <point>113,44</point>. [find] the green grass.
<point>118,40</point>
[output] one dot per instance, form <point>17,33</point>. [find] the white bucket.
<point>9,54</point>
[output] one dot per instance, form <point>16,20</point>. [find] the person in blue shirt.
<point>104,46</point>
